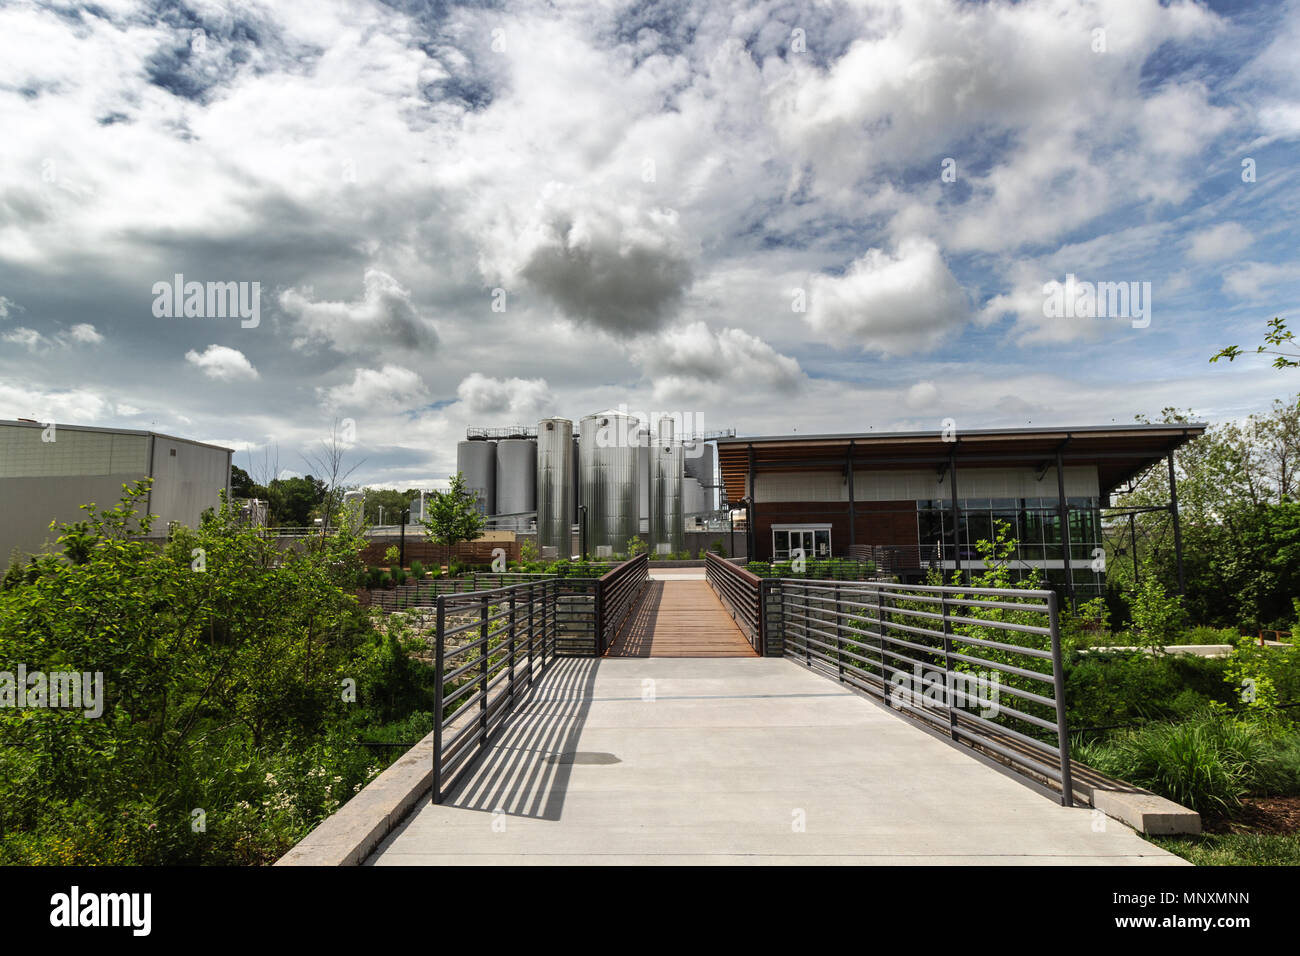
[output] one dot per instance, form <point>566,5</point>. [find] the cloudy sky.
<point>822,216</point>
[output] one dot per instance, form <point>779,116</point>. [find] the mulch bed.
<point>1259,815</point>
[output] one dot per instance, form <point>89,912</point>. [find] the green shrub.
<point>1208,762</point>
<point>392,555</point>
<point>417,569</point>
<point>1158,618</point>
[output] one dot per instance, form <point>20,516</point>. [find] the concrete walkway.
<point>676,760</point>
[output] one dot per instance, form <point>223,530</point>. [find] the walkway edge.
<point>347,836</point>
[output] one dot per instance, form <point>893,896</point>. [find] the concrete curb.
<point>348,836</point>
<point>1147,813</point>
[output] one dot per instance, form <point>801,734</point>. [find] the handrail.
<point>741,592</point>
<point>981,665</point>
<point>617,594</point>
<point>499,642</point>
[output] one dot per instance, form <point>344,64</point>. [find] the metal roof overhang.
<point>1120,453</point>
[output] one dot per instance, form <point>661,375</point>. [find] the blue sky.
<point>486,213</point>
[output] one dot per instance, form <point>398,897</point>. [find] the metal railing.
<point>491,648</point>
<point>899,557</point>
<point>948,657</point>
<point>741,593</point>
<point>617,594</point>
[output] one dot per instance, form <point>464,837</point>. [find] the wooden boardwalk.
<point>680,619</point>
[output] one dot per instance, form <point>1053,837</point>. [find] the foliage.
<point>1240,524</point>
<point>635,545</point>
<point>1158,618</point>
<point>452,516</point>
<point>1277,336</point>
<point>392,554</point>
<point>1207,762</point>
<point>224,664</point>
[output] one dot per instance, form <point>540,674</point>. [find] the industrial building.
<point>915,500</point>
<point>48,471</point>
<point>598,485</point>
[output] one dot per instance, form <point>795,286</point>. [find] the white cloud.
<point>1250,279</point>
<point>389,388</point>
<point>1222,241</point>
<point>692,362</point>
<point>28,338</point>
<point>921,396</point>
<point>383,317</point>
<point>897,303</point>
<point>520,400</point>
<point>84,333</point>
<point>222,363</point>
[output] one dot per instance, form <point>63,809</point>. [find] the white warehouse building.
<point>48,472</point>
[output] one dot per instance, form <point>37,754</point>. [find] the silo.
<point>694,502</point>
<point>477,461</point>
<point>607,456</point>
<point>575,477</point>
<point>643,479</point>
<point>516,477</point>
<point>667,527</point>
<point>555,488</point>
<point>699,465</point>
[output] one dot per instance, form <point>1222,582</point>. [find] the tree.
<point>452,516</point>
<point>241,483</point>
<point>392,501</point>
<point>1277,336</point>
<point>329,464</point>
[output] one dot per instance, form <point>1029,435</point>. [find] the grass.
<point>1207,762</point>
<point>1235,849</point>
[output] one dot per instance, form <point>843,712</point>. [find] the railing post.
<point>949,684</point>
<point>438,668</point>
<point>880,624</point>
<point>599,605</point>
<point>839,635</point>
<point>483,672</point>
<point>510,681</point>
<point>1058,683</point>
<point>532,633</point>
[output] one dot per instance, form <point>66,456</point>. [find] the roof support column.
<point>1063,509</point>
<point>956,512</point>
<point>848,471</point>
<point>1178,531</point>
<point>751,533</point>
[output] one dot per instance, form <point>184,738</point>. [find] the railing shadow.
<point>526,770</point>
<point>636,636</point>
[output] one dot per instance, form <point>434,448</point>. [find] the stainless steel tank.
<point>555,488</point>
<point>667,527</point>
<point>643,480</point>
<point>699,464</point>
<point>516,476</point>
<point>693,498</point>
<point>607,456</point>
<point>477,461</point>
